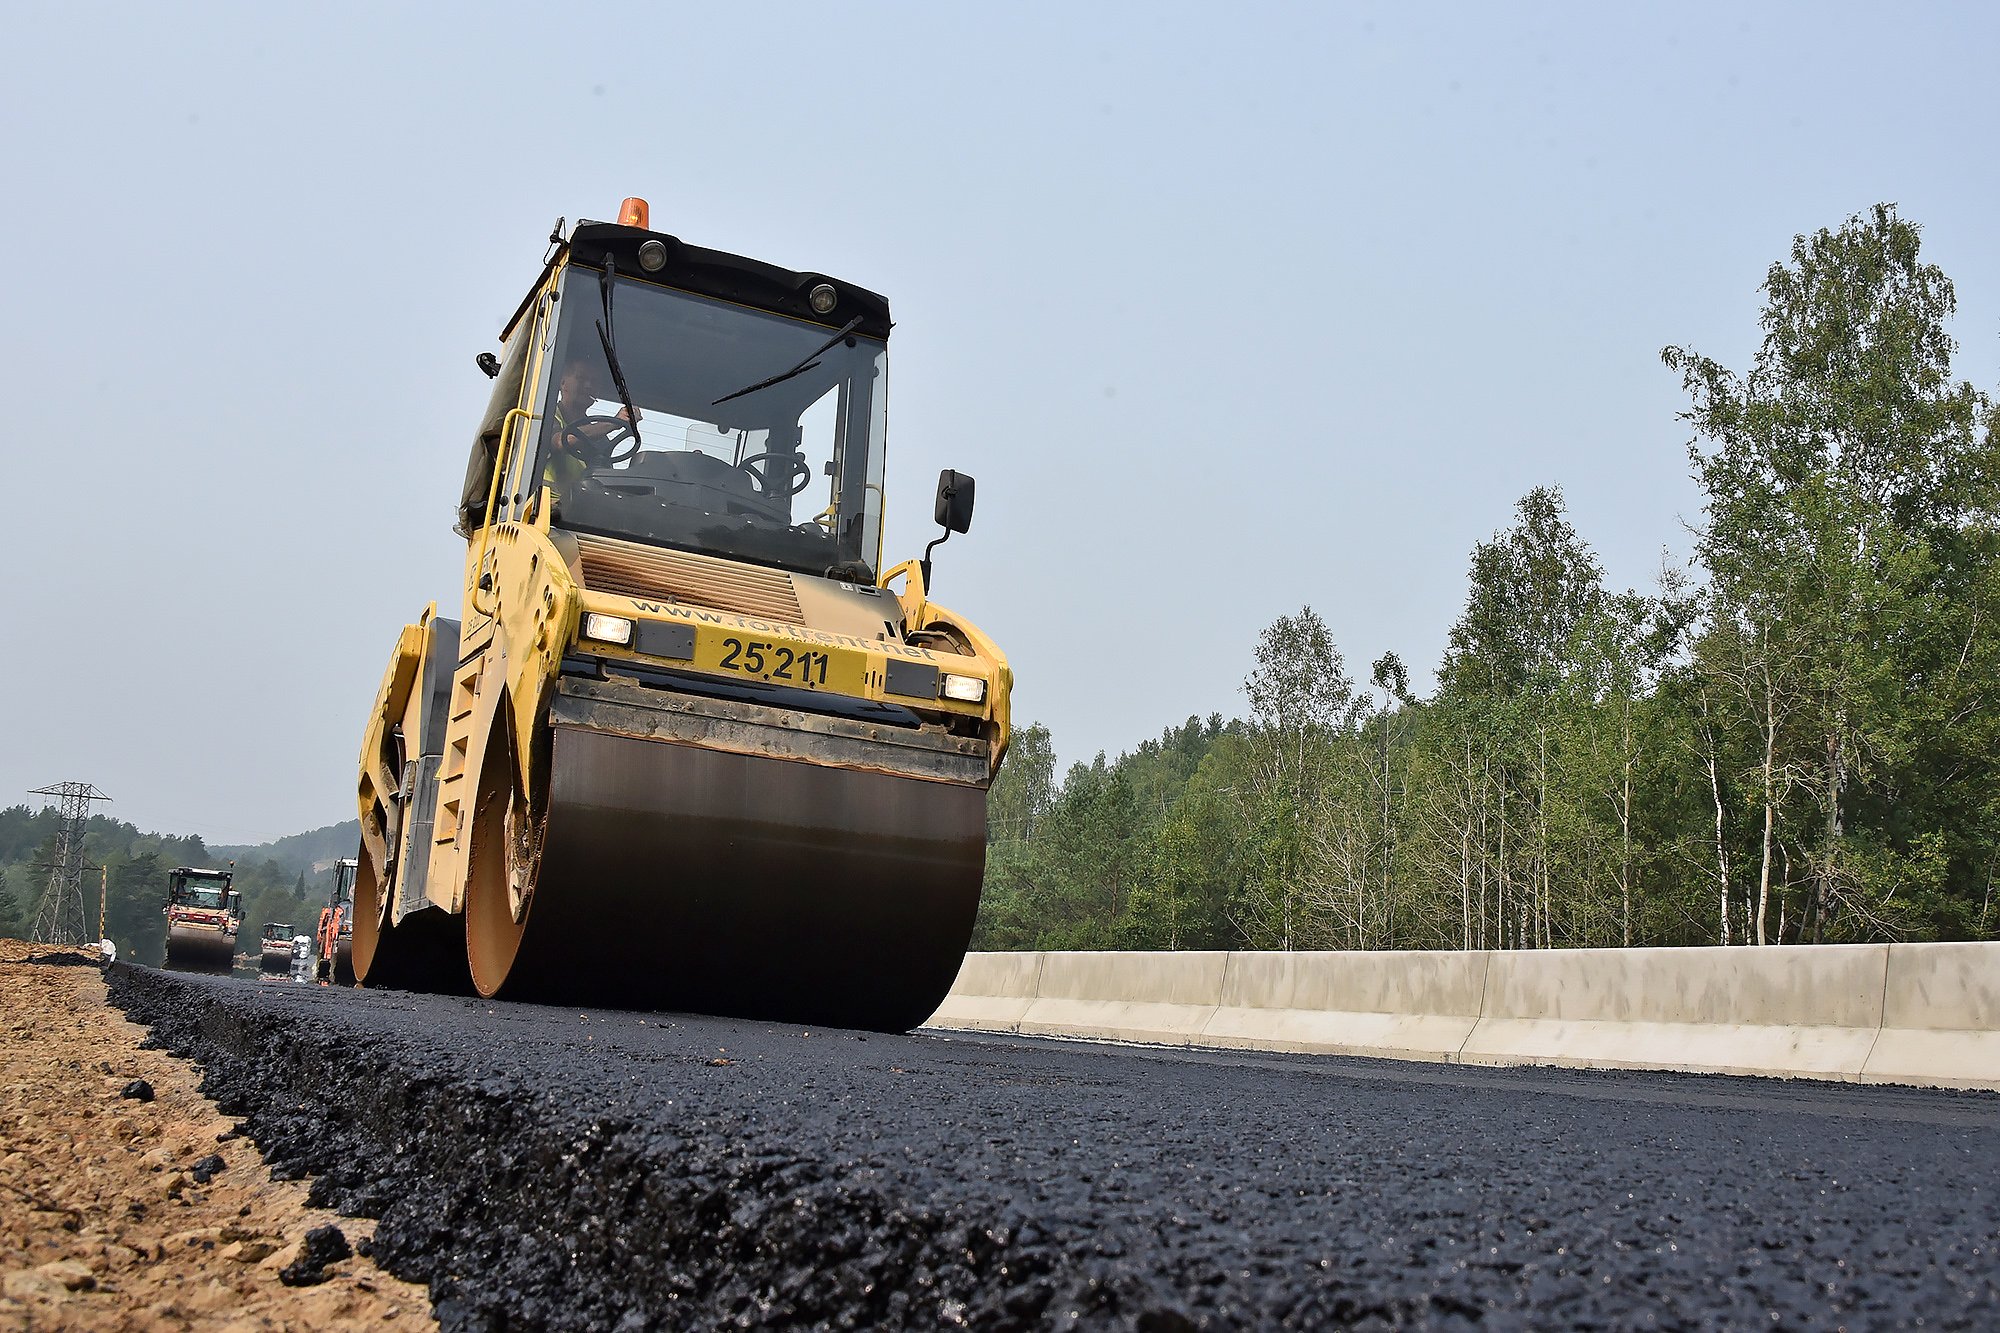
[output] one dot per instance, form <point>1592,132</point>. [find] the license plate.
<point>780,663</point>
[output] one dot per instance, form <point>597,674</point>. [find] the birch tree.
<point>1302,702</point>
<point>1849,499</point>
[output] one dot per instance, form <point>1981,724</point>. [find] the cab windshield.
<point>787,474</point>
<point>195,895</point>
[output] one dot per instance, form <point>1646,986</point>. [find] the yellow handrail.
<point>501,457</point>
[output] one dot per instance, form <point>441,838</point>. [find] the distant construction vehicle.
<point>685,747</point>
<point>204,915</point>
<point>277,946</point>
<point>334,942</point>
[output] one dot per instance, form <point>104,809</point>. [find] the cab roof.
<point>717,274</point>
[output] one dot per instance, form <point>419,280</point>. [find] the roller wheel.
<point>501,880</point>
<point>425,951</point>
<point>371,915</point>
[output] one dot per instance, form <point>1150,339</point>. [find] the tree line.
<point>1793,739</point>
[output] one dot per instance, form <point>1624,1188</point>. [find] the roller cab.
<point>688,744</point>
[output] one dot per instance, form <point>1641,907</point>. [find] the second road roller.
<point>203,915</point>
<point>689,743</point>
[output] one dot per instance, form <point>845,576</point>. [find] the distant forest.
<point>282,881</point>
<point>1796,739</point>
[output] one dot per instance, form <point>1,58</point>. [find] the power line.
<point>61,918</point>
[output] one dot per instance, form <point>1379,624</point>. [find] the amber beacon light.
<point>632,213</point>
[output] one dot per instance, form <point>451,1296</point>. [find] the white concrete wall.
<point>1412,1006</point>
<point>1940,1017</point>
<point>1804,1010</point>
<point>1163,998</point>
<point>1924,1014</point>
<point>992,993</point>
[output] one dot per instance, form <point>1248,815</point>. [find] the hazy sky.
<point>1230,308</point>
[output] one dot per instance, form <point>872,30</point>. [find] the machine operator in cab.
<point>577,438</point>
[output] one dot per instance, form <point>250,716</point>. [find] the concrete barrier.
<point>1163,998</point>
<point>1924,1014</point>
<point>1405,1006</point>
<point>1940,1017</point>
<point>992,992</point>
<point>1801,1010</point>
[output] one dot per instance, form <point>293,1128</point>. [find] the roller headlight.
<point>965,689</point>
<point>607,629</point>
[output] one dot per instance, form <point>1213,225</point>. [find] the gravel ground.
<point>549,1168</point>
<point>127,1203</point>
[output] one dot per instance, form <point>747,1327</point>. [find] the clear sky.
<point>1230,308</point>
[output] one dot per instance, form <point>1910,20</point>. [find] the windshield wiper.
<point>807,363</point>
<point>605,279</point>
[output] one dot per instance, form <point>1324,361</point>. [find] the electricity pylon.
<point>61,918</point>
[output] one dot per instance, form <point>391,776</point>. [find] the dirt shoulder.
<point>123,1213</point>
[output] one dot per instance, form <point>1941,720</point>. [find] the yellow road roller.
<point>203,915</point>
<point>689,745</point>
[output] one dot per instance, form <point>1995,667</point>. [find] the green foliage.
<point>135,895</point>
<point>1131,854</point>
<point>301,851</point>
<point>1801,744</point>
<point>13,924</point>
<point>1024,788</point>
<point>1851,550</point>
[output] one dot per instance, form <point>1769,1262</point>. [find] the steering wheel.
<point>798,474</point>
<point>601,450</point>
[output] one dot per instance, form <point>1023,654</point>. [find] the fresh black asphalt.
<point>565,1169</point>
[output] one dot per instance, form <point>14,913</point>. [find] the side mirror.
<point>954,501</point>
<point>488,363</point>
<point>953,513</point>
